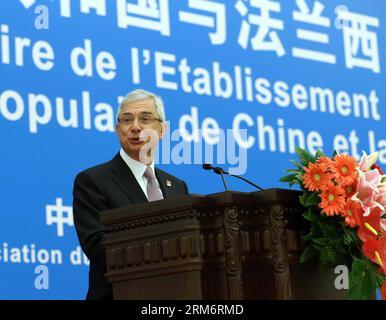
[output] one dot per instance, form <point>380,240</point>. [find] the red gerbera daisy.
<point>351,189</point>
<point>332,200</point>
<point>315,177</point>
<point>350,212</point>
<point>324,162</point>
<point>344,169</point>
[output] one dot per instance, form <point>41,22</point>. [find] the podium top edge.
<point>196,201</point>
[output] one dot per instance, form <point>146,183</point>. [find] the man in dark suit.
<point>129,178</point>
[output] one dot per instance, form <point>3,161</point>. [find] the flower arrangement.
<point>345,204</point>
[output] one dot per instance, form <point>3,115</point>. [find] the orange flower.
<point>333,200</point>
<point>351,211</point>
<point>315,177</point>
<point>351,189</point>
<point>344,169</point>
<point>324,162</point>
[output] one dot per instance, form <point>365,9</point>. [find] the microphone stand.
<point>242,178</point>
<point>220,172</point>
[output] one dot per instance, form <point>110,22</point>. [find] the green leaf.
<point>308,237</point>
<point>297,164</point>
<point>329,227</point>
<point>294,182</point>
<point>304,157</point>
<point>291,179</point>
<point>350,236</point>
<point>309,215</point>
<point>296,171</point>
<point>362,281</point>
<point>319,154</point>
<point>288,178</point>
<point>309,199</point>
<point>312,200</point>
<point>328,256</point>
<point>379,279</point>
<point>308,253</point>
<point>302,199</point>
<point>320,241</point>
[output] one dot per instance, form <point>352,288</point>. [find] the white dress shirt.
<point>138,169</point>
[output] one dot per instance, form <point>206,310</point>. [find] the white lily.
<point>370,192</point>
<point>367,161</point>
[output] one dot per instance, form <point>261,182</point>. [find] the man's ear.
<point>164,127</point>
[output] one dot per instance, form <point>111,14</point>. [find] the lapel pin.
<point>168,183</point>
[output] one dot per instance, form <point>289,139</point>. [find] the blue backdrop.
<point>253,79</point>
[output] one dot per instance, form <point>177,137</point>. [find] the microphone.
<point>219,170</point>
<point>207,166</point>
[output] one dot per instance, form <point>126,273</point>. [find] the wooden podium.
<point>230,245</point>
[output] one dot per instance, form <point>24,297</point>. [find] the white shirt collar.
<point>137,167</point>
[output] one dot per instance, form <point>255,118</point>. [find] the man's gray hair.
<point>139,95</point>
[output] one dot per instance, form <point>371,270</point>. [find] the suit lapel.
<point>165,184</point>
<point>126,180</point>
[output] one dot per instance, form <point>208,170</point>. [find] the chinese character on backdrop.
<point>266,37</point>
<point>60,215</point>
<point>312,17</point>
<point>146,14</point>
<point>360,44</point>
<point>218,22</point>
<point>99,6</point>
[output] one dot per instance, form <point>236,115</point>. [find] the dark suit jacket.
<point>108,186</point>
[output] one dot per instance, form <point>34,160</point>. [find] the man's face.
<point>138,117</point>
